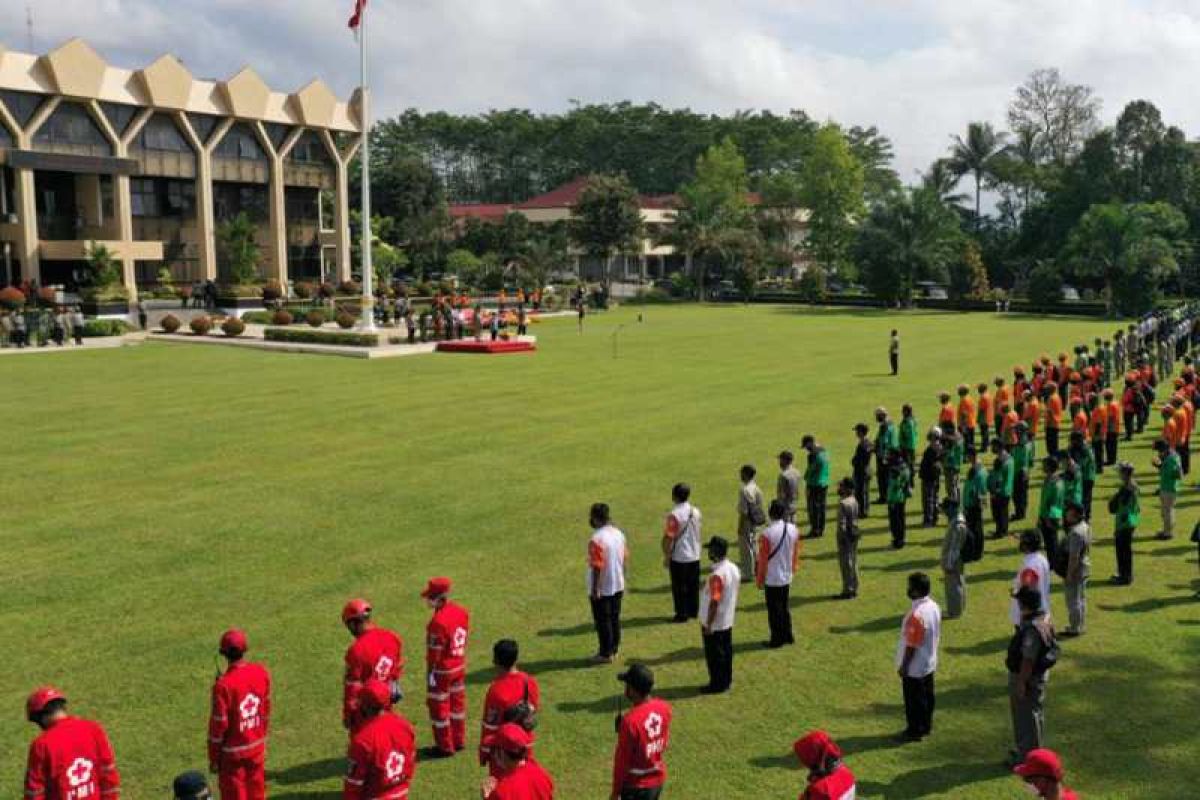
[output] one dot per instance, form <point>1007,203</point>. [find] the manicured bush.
<point>349,287</point>
<point>304,290</point>
<point>258,317</point>
<point>233,327</point>
<point>200,325</point>
<point>315,318</point>
<point>321,337</point>
<point>104,327</point>
<point>170,323</point>
<point>326,290</point>
<point>345,320</point>
<point>282,317</point>
<point>12,298</point>
<point>271,291</point>
<point>651,297</point>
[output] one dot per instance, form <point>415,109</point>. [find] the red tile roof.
<point>565,196</point>
<point>489,212</point>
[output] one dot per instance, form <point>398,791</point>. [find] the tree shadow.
<point>485,675</point>
<point>926,781</point>
<point>587,627</point>
<point>873,626</point>
<point>985,648</point>
<point>694,654</point>
<point>1152,604</point>
<point>610,704</point>
<point>311,772</point>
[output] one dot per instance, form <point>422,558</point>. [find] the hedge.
<point>321,337</point>
<point>104,327</point>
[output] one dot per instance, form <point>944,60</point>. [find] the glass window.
<point>160,133</point>
<point>5,137</point>
<point>276,133</point>
<point>240,143</point>
<point>203,125</point>
<point>309,149</point>
<point>231,199</point>
<point>119,115</point>
<point>72,126</point>
<point>181,198</point>
<point>22,105</point>
<point>145,197</point>
<point>300,205</point>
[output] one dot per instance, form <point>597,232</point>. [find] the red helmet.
<point>356,609</point>
<point>41,698</point>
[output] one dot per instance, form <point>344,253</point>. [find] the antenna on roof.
<point>29,27</point>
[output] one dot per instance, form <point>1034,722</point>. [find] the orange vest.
<point>946,415</point>
<point>987,409</point>
<point>1114,418</point>
<point>1081,424</point>
<point>1054,411</point>
<point>966,413</point>
<point>1099,422</point>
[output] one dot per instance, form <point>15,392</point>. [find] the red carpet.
<point>499,346</point>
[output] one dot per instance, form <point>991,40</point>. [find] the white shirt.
<point>723,582</point>
<point>780,568</point>
<point>1035,572</point>
<point>683,525</point>
<point>607,553</point>
<point>922,631</point>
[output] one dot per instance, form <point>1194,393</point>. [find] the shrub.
<point>651,297</point>
<point>811,286</point>
<point>424,289</point>
<point>271,291</point>
<point>258,317</point>
<point>326,290</point>
<point>349,287</point>
<point>304,290</point>
<point>170,323</point>
<point>200,325</point>
<point>104,327</point>
<point>315,318</point>
<point>233,327</point>
<point>321,337</point>
<point>1045,285</point>
<point>12,298</point>
<point>282,317</point>
<point>345,320</point>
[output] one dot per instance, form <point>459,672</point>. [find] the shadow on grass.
<point>1152,604</point>
<point>903,566</point>
<point>694,654</point>
<point>663,589</point>
<point>932,780</point>
<point>485,675</point>
<point>879,625</point>
<point>609,705</point>
<point>311,772</point>
<point>588,627</point>
<point>785,761</point>
<point>985,648</point>
<point>1180,550</point>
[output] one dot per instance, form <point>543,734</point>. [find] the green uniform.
<point>887,440</point>
<point>1022,457</point>
<point>908,434</point>
<point>954,457</point>
<point>1072,489</point>
<point>816,474</point>
<point>1170,474</point>
<point>898,485</point>
<point>1085,462</point>
<point>975,488</point>
<point>1053,496</point>
<point>1000,481</point>
<point>1126,508</point>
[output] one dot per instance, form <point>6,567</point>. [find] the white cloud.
<point>918,69</point>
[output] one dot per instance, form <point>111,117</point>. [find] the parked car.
<point>1070,294</point>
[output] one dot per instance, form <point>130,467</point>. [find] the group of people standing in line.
<point>41,326</point>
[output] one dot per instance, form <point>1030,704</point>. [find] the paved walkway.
<point>253,339</point>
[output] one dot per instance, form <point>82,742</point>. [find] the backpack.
<point>754,511</point>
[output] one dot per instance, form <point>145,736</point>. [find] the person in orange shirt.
<point>1020,384</point>
<point>1075,392</point>
<point>966,415</point>
<point>1062,375</point>
<point>1079,418</point>
<point>1183,422</point>
<point>1008,425</point>
<point>1032,416</point>
<point>1054,417</point>
<point>986,416</point>
<point>1112,432</point>
<point>1098,428</point>
<point>1039,379</point>
<point>946,414</point>
<point>1003,397</point>
<point>1170,429</point>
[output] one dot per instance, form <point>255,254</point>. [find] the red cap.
<point>1040,763</point>
<point>512,738</point>
<point>233,639</point>
<point>437,587</point>
<point>41,697</point>
<point>375,694</point>
<point>356,609</point>
<point>814,748</point>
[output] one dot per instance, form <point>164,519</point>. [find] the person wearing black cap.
<point>1126,509</point>
<point>718,605</point>
<point>191,786</point>
<point>643,734</point>
<point>860,465</point>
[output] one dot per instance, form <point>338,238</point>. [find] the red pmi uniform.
<point>505,692</point>
<point>641,742</point>
<point>72,760</point>
<point>525,782</point>
<point>237,730</point>
<point>446,663</point>
<point>383,754</point>
<point>377,654</point>
<point>837,785</point>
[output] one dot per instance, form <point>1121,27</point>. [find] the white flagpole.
<point>368,314</point>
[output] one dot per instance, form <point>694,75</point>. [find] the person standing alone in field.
<point>894,352</point>
<point>752,515</point>
<point>776,565</point>
<point>816,485</point>
<point>239,723</point>
<point>681,553</point>
<point>607,554</point>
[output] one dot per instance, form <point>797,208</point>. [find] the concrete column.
<point>25,204</point>
<point>341,219</point>
<point>278,223</point>
<point>205,222</point>
<point>123,210</point>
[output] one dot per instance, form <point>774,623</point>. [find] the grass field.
<point>156,495</point>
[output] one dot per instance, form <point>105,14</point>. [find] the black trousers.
<point>1020,495</point>
<point>985,436</point>
<point>1052,441</point>
<point>968,435</point>
<point>1088,488</point>
<point>897,524</point>
<point>1129,424</point>
<point>642,794</point>
<point>894,359</point>
<point>606,615</point>
<point>1185,457</point>
<point>1110,449</point>
<point>1049,531</point>
<point>1098,454</point>
<point>918,705</point>
<point>685,589</point>
<point>718,654</point>
<point>779,616</point>
<point>1000,515</point>
<point>881,478</point>
<point>974,518</point>
<point>929,502</point>
<point>816,496</point>
<point>862,493</point>
<point>1123,542</point>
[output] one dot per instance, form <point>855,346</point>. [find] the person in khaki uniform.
<point>1079,567</point>
<point>847,539</point>
<point>953,564</point>
<point>787,487</point>
<point>752,515</point>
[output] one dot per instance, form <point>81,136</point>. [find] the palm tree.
<point>975,155</point>
<point>941,180</point>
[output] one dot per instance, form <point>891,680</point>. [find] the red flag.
<point>359,7</point>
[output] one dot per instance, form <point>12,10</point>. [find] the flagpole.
<point>368,314</point>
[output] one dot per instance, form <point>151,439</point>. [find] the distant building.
<point>150,162</point>
<point>651,261</point>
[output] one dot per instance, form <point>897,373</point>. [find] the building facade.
<point>150,162</point>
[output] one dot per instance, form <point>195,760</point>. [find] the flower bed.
<point>340,338</point>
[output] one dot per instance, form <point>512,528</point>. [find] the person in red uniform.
<point>513,697</point>
<point>239,723</point>
<point>639,772</point>
<point>375,653</point>
<point>446,670</point>
<point>520,778</point>
<point>828,777</point>
<point>1042,770</point>
<point>71,759</point>
<point>383,750</point>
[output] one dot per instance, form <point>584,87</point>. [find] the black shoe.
<point>678,620</point>
<point>1117,580</point>
<point>908,737</point>
<point>772,645</point>
<point>713,689</point>
<point>433,754</point>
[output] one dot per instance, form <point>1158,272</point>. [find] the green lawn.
<point>158,494</point>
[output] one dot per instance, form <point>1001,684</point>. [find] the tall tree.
<point>976,155</point>
<point>831,181</point>
<point>913,236</point>
<point>1139,130</point>
<point>875,152</point>
<point>607,220</point>
<point>942,181</point>
<point>1060,115</point>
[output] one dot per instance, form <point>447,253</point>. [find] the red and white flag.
<point>356,18</point>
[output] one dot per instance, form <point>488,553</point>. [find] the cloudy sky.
<point>918,69</point>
